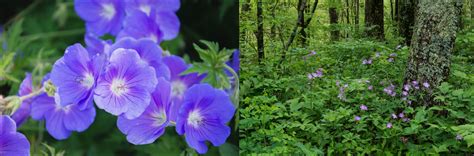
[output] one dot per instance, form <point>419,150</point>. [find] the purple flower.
<point>318,73</point>
<point>357,118</point>
<point>394,116</point>
<point>11,141</point>
<point>23,112</point>
<point>95,45</point>
<point>162,12</point>
<point>101,16</point>
<point>203,116</point>
<point>393,55</point>
<point>390,90</point>
<point>401,115</point>
<point>75,76</point>
<point>61,120</point>
<point>377,54</point>
<point>389,125</point>
<point>363,107</point>
<point>458,137</point>
<point>415,84</point>
<point>405,119</point>
<point>398,47</point>
<point>404,93</point>
<point>426,85</point>
<point>150,125</point>
<point>126,85</point>
<point>234,63</point>
<point>406,87</point>
<point>390,59</point>
<point>179,83</point>
<point>370,87</point>
<point>367,61</point>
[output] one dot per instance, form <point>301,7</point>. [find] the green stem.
<point>236,88</point>
<point>32,94</point>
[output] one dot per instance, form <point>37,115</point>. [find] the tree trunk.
<point>246,6</point>
<point>356,16</point>
<point>259,34</point>
<point>472,9</point>
<point>333,23</point>
<point>407,19</point>
<point>374,18</point>
<point>347,18</point>
<point>397,10</point>
<point>391,10</point>
<point>302,23</point>
<point>432,44</point>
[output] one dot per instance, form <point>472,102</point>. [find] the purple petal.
<point>78,120</point>
<point>23,112</point>
<point>199,146</point>
<point>55,125</point>
<point>148,50</point>
<point>95,45</point>
<point>101,17</point>
<point>167,5</point>
<point>169,24</point>
<point>7,125</point>
<point>138,25</point>
<point>42,105</point>
<point>14,144</point>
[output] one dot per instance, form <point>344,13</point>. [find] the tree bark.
<point>472,9</point>
<point>356,16</point>
<point>347,18</point>
<point>259,34</point>
<point>432,44</point>
<point>333,23</point>
<point>391,10</point>
<point>374,18</point>
<point>407,19</point>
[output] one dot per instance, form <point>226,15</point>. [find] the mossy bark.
<point>407,19</point>
<point>374,19</point>
<point>431,46</point>
<point>333,18</point>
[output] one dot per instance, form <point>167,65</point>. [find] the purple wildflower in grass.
<point>393,55</point>
<point>61,120</point>
<point>139,25</point>
<point>390,90</point>
<point>204,115</point>
<point>101,16</point>
<point>409,102</point>
<point>401,115</point>
<point>338,83</point>
<point>426,85</point>
<point>75,76</point>
<point>23,112</point>
<point>404,98</point>
<point>394,116</point>
<point>390,59</point>
<point>377,54</point>
<point>363,107</point>
<point>179,83</point>
<point>150,125</point>
<point>367,61</point>
<point>357,118</point>
<point>162,13</point>
<point>406,87</point>
<point>310,76</point>
<point>95,45</point>
<point>405,119</point>
<point>370,87</point>
<point>404,93</point>
<point>126,85</point>
<point>389,125</point>
<point>459,137</point>
<point>341,94</point>
<point>415,84</point>
<point>12,142</point>
<point>318,73</point>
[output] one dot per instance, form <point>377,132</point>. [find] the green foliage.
<point>284,112</point>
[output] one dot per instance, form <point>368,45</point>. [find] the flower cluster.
<point>131,78</point>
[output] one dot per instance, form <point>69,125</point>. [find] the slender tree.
<point>259,34</point>
<point>356,16</point>
<point>431,46</point>
<point>407,19</point>
<point>333,18</point>
<point>374,18</point>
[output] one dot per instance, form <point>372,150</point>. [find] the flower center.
<point>195,118</point>
<point>159,117</point>
<point>146,9</point>
<point>108,11</point>
<point>118,87</point>
<point>87,81</point>
<point>177,88</point>
<point>153,37</point>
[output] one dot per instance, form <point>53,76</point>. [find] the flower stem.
<point>235,98</point>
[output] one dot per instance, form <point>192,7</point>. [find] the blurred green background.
<point>49,26</point>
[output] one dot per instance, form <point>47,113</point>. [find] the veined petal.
<point>14,144</point>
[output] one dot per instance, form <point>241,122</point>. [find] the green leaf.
<point>469,139</point>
